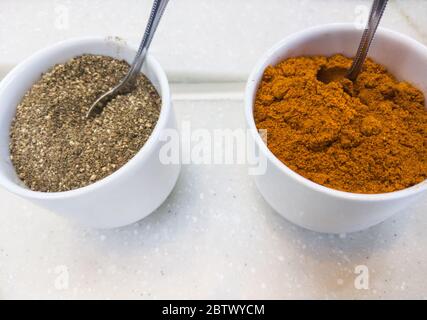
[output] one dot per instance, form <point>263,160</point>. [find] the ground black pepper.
<point>55,148</point>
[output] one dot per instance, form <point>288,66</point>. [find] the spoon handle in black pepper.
<point>375,16</point>
<point>127,82</point>
<point>157,11</point>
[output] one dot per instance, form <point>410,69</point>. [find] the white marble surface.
<point>198,40</point>
<point>215,237</point>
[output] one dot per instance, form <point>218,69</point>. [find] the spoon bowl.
<point>327,75</point>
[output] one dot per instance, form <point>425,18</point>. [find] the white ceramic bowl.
<point>300,200</point>
<point>127,195</point>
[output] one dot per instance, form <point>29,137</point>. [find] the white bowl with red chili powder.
<point>107,183</point>
<point>335,162</point>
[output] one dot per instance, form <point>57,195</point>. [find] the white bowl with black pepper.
<point>125,196</point>
<point>300,200</point>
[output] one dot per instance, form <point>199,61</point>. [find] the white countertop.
<point>198,40</point>
<point>215,237</point>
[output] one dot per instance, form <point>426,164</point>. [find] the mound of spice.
<point>369,136</point>
<point>55,148</point>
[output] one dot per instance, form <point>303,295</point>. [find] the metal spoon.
<point>333,74</point>
<point>127,83</point>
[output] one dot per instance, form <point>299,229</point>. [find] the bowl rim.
<point>252,87</point>
<point>151,63</point>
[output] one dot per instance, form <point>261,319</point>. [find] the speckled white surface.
<point>198,40</point>
<point>215,237</point>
